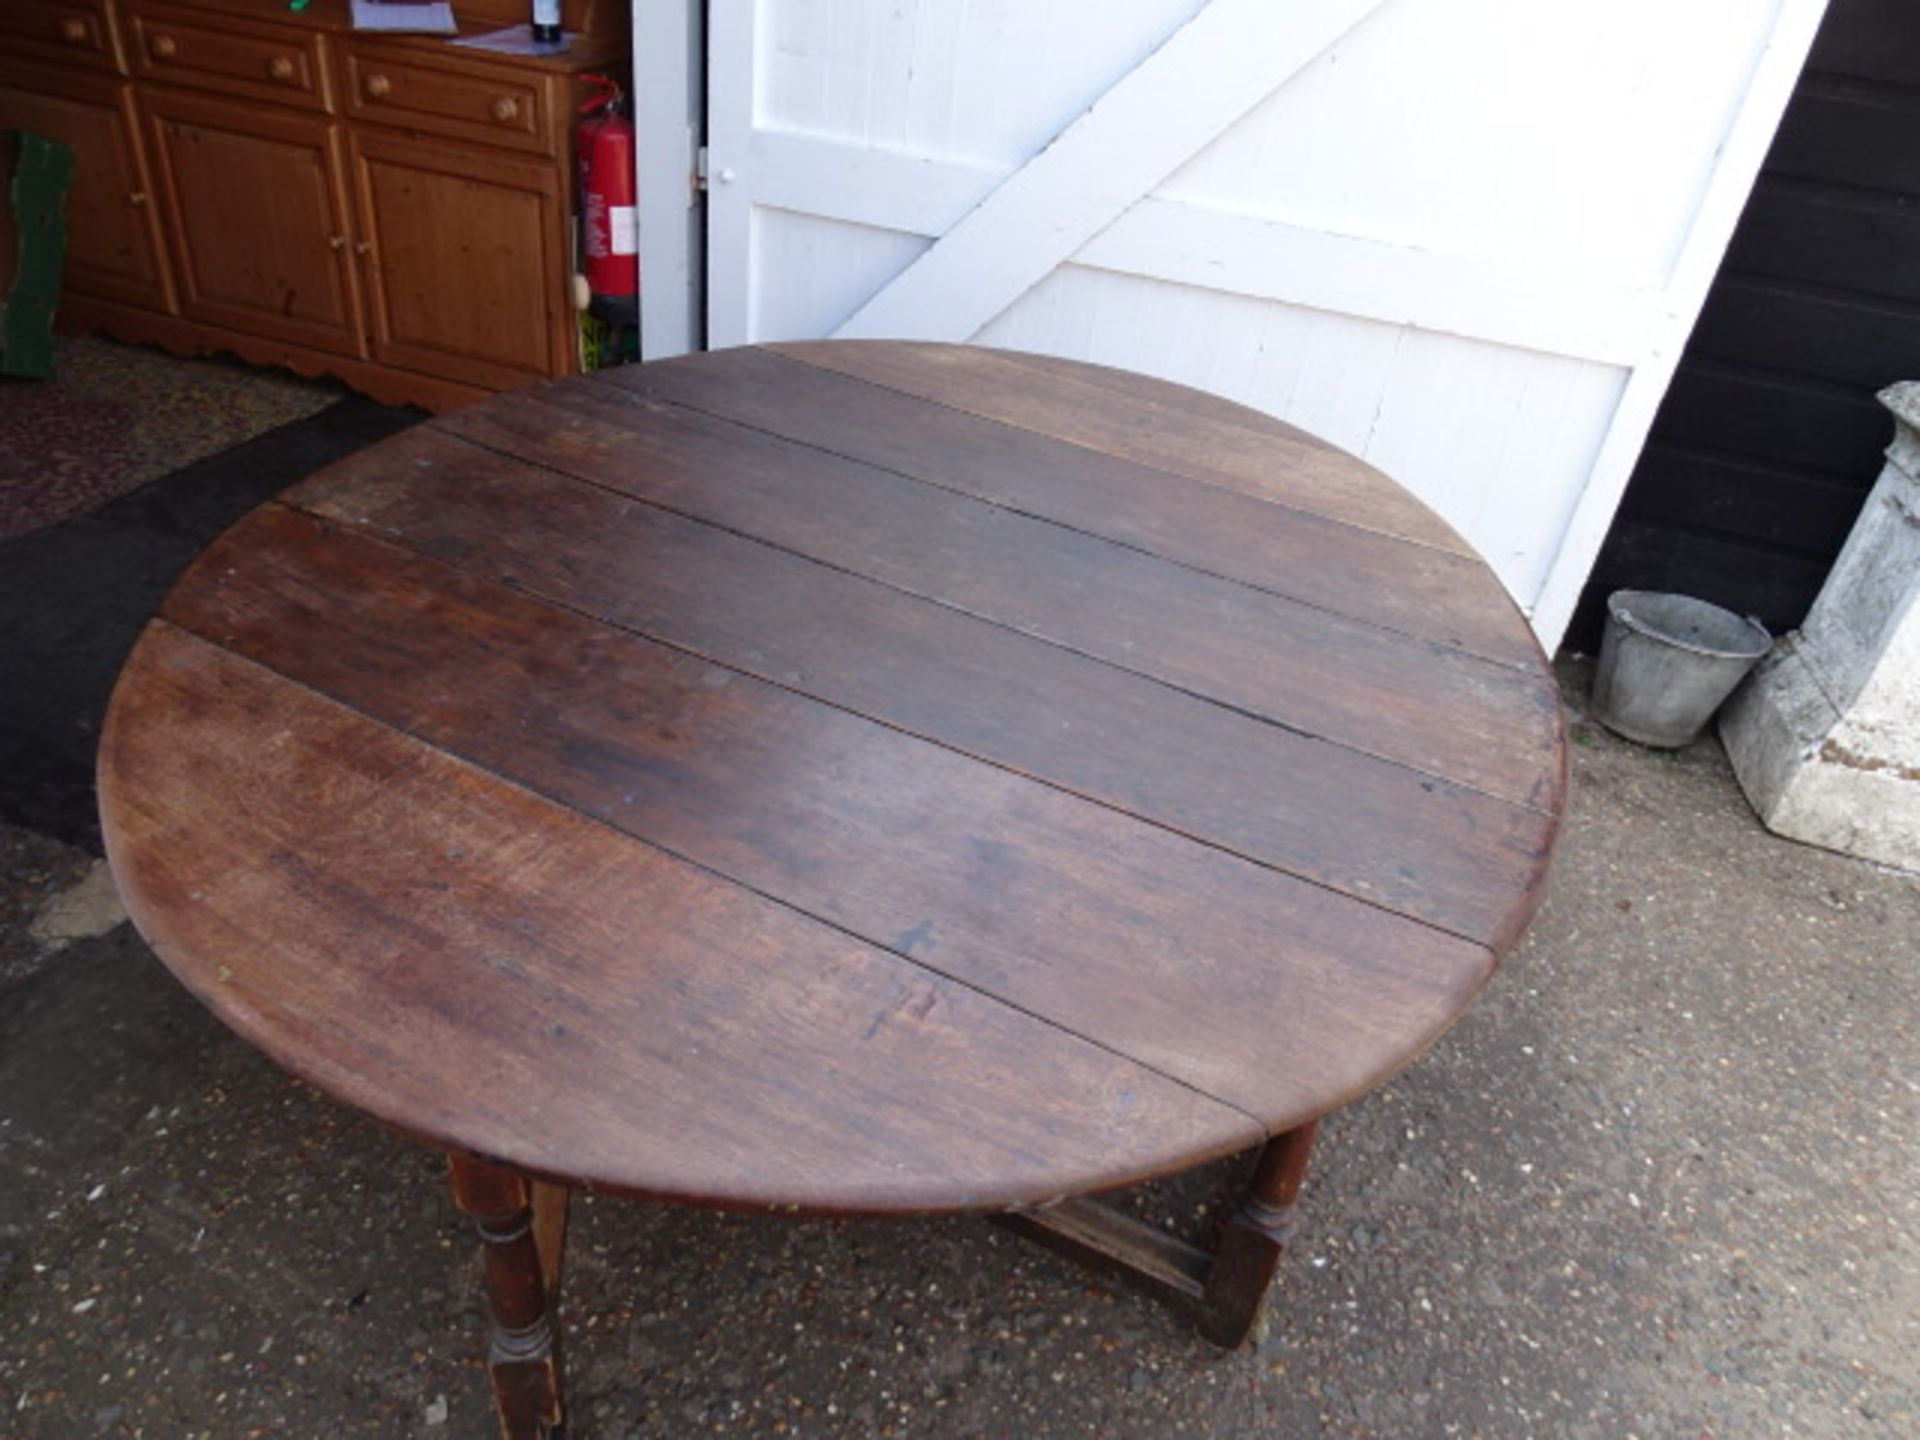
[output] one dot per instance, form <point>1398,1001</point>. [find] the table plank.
<point>1132,386</point>
<point>1165,433</point>
<point>1354,684</point>
<point>1236,980</point>
<point>488,969</point>
<point>1437,595</point>
<point>1418,845</point>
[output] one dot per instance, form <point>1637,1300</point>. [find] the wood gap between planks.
<point>1301,732</point>
<point>639,401</point>
<point>867,942</point>
<point>1101,450</point>
<point>1030,776</point>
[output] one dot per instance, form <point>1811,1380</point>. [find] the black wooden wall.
<point>1770,437</point>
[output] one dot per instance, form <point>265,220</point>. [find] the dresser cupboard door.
<point>113,244</point>
<point>257,216</point>
<point>467,266</point>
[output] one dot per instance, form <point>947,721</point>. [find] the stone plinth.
<point>1825,736</point>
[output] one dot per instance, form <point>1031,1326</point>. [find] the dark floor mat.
<point>74,596</point>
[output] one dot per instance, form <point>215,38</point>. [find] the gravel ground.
<point>1663,1180</point>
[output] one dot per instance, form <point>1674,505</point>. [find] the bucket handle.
<point>1639,627</point>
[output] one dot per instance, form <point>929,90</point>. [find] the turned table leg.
<point>1253,1238</point>
<point>522,1225</point>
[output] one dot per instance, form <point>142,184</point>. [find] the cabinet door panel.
<point>113,242</point>
<point>468,266</point>
<point>258,219</point>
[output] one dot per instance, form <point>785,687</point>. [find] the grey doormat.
<point>74,596</point>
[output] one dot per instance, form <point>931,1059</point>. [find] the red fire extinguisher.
<point>610,230</point>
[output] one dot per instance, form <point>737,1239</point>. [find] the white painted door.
<point>1462,238</point>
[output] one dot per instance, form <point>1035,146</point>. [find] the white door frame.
<point>669,104</point>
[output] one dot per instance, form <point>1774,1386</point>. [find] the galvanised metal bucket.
<point>1667,662</point>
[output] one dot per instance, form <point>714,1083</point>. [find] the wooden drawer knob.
<point>280,68</point>
<point>73,30</point>
<point>163,47</point>
<point>505,109</point>
<point>377,86</point>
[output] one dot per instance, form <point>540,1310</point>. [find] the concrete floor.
<point>1663,1180</point>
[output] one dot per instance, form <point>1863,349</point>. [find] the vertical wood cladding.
<point>1770,438</point>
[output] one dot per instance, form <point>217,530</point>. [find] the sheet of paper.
<point>429,17</point>
<point>516,40</point>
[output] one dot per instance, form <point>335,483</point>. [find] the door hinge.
<point>700,167</point>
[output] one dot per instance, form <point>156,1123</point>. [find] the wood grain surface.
<point>1269,654</point>
<point>837,780</point>
<point>1165,433</point>
<point>1437,595</point>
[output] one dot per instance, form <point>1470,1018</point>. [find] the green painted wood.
<point>38,173</point>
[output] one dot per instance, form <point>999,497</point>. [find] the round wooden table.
<point>850,778</point>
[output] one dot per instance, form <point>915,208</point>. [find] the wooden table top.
<point>844,777</point>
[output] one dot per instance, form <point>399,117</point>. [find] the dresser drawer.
<point>75,32</point>
<point>231,55</point>
<point>473,102</point>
